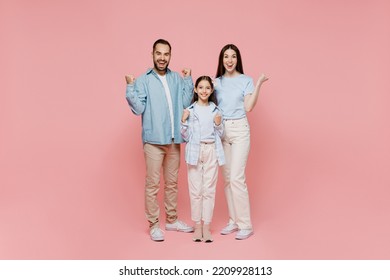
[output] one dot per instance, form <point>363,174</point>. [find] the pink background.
<point>71,158</point>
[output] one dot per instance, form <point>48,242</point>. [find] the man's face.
<point>161,57</point>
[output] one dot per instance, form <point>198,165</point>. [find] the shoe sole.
<point>229,232</point>
<point>244,237</point>
<point>180,230</point>
<point>157,239</point>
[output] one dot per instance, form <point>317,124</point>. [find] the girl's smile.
<point>203,90</point>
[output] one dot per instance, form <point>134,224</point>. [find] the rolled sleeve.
<point>136,98</point>
<point>184,130</point>
<point>188,91</point>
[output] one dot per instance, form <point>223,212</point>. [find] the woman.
<point>236,95</point>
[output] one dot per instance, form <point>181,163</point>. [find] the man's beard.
<point>158,67</point>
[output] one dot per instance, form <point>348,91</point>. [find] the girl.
<point>236,95</point>
<point>202,129</point>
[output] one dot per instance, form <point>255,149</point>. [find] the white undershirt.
<point>206,120</point>
<point>169,99</point>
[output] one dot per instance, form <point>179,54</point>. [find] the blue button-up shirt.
<point>147,97</point>
<point>190,130</point>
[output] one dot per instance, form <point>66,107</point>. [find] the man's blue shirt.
<point>147,97</point>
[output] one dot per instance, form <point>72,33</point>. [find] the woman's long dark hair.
<point>221,69</point>
<point>212,96</point>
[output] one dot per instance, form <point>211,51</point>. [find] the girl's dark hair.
<point>212,96</point>
<point>221,68</point>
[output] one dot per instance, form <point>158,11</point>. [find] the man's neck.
<point>161,73</point>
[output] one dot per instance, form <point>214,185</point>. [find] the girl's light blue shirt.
<point>191,132</point>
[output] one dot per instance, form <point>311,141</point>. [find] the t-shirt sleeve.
<point>249,87</point>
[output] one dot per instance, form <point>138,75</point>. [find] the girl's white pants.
<point>202,183</point>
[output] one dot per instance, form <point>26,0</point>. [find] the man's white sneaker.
<point>156,234</point>
<point>244,234</point>
<point>229,228</point>
<point>179,226</point>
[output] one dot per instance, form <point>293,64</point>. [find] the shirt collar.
<point>151,71</point>
<point>212,104</point>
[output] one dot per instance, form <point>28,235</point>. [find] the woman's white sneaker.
<point>229,228</point>
<point>244,234</point>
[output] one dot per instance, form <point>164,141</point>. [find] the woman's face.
<point>230,61</point>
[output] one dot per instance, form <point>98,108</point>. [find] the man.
<point>160,95</point>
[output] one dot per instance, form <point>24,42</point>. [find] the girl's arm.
<point>218,125</point>
<point>184,125</point>
<point>251,99</point>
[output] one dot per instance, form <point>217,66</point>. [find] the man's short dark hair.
<point>162,41</point>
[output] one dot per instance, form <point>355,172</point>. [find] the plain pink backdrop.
<point>71,158</point>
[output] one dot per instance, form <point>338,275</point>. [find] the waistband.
<point>227,119</point>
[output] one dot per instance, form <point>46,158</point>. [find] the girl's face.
<point>230,61</point>
<point>204,90</point>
